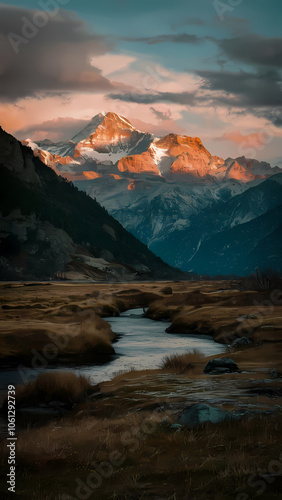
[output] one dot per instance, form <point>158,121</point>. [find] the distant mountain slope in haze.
<point>215,240</point>
<point>240,250</point>
<point>47,224</point>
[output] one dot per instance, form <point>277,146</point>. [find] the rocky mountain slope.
<point>241,249</point>
<point>234,236</point>
<point>48,226</point>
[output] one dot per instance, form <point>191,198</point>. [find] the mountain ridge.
<point>113,143</point>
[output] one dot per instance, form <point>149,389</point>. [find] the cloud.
<point>55,59</point>
<point>161,115</point>
<point>165,128</point>
<point>184,98</point>
<point>180,38</point>
<point>255,139</point>
<point>59,129</point>
<point>253,49</point>
<point>272,115</point>
<point>112,63</point>
<point>240,89</point>
<point>219,88</point>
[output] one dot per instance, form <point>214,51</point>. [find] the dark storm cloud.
<point>258,93</point>
<point>184,98</point>
<point>53,58</point>
<point>223,88</point>
<point>274,116</point>
<point>152,40</point>
<point>243,88</point>
<point>253,49</point>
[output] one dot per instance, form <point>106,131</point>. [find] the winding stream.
<point>143,343</point>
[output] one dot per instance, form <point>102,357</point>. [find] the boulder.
<point>220,366</point>
<point>241,342</point>
<point>200,413</point>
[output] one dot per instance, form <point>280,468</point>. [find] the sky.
<point>205,68</point>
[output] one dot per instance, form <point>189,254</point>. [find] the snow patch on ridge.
<point>102,157</point>
<point>28,142</point>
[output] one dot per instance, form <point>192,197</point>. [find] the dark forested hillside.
<point>31,194</point>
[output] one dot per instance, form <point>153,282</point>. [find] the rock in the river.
<point>243,341</point>
<point>220,366</point>
<point>200,413</point>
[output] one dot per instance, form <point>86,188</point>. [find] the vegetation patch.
<point>182,363</point>
<point>54,386</point>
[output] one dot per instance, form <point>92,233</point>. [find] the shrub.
<point>181,363</point>
<point>261,280</point>
<point>62,386</point>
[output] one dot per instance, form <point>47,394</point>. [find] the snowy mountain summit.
<point>111,145</point>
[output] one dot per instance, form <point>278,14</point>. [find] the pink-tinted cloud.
<point>112,63</point>
<point>59,129</point>
<point>255,139</point>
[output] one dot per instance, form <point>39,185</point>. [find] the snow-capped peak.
<point>104,121</point>
<point>29,142</point>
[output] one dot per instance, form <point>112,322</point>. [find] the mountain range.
<point>48,227</point>
<point>111,145</point>
<point>189,207</point>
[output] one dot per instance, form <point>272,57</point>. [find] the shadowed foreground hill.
<point>47,226</point>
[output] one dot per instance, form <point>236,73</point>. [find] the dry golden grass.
<point>82,332</point>
<point>87,342</point>
<point>94,335</point>
<point>258,358</point>
<point>62,386</point>
<point>182,363</point>
<point>191,464</point>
